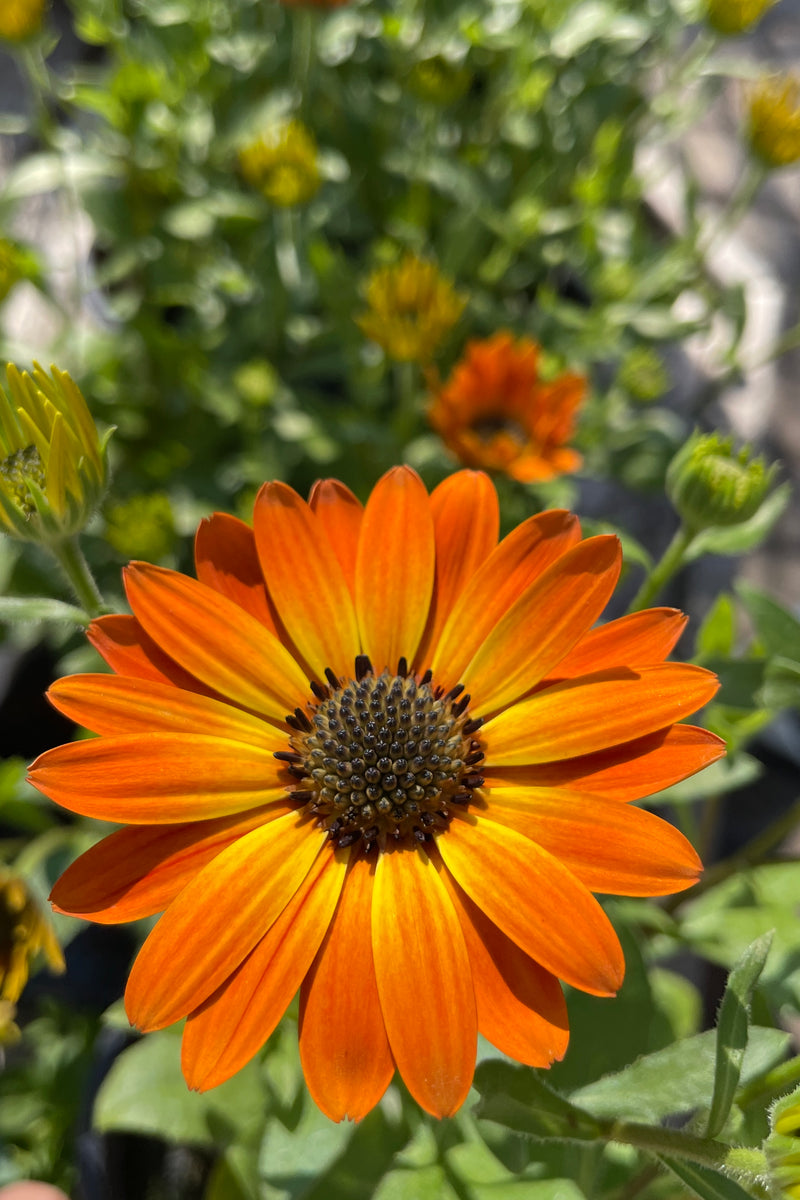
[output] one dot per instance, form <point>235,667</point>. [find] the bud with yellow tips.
<point>25,932</point>
<point>711,484</point>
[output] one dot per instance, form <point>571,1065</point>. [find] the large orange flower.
<point>495,412</point>
<point>374,755</point>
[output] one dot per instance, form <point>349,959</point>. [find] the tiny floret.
<point>711,484</point>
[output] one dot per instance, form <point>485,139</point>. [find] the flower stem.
<point>303,24</point>
<point>72,562</point>
<point>406,396</point>
<point>657,1140</point>
<point>663,571</point>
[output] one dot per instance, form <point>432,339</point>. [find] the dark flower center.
<point>385,757</point>
<point>490,426</point>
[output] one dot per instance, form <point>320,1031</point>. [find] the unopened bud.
<point>711,484</point>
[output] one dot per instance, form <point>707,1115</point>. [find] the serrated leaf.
<point>678,1079</point>
<point>732,1030</point>
<point>704,1182</point>
<point>741,538</point>
<point>18,609</point>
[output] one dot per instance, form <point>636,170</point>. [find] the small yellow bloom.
<point>411,307</point>
<point>53,470</point>
<point>20,19</point>
<point>142,527</point>
<point>282,163</point>
<point>25,931</point>
<point>774,130</point>
<point>734,16</point>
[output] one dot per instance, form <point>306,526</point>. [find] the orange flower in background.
<point>377,756</point>
<point>495,412</point>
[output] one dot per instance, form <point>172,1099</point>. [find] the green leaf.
<point>732,1029</point>
<point>781,684</point>
<point>425,1183</point>
<point>740,680</point>
<point>145,1092</point>
<point>677,1079</point>
<point>740,538</point>
<point>293,1158</point>
<point>717,633</point>
<point>18,609</point>
<point>519,1099</point>
<point>777,628</point>
<point>704,1182</point>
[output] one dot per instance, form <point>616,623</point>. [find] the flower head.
<point>282,163</point>
<point>495,411</point>
<point>712,484</point>
<point>410,308</point>
<point>774,126</point>
<point>53,472</point>
<point>20,19</point>
<point>25,932</point>
<point>734,16</point>
<point>377,756</point>
<point>782,1147</point>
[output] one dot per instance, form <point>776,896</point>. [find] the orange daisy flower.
<point>494,411</point>
<point>372,754</point>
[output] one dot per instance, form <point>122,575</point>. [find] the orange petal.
<point>543,625</point>
<point>424,981</point>
<point>340,514</point>
<point>216,640</point>
<point>626,772</point>
<point>214,923</point>
<point>139,871</point>
<point>226,560</point>
<point>159,778</point>
<point>112,704</point>
<point>640,639</point>
<point>535,901</point>
<point>343,1044</point>
<point>521,1008</point>
<point>233,1023</point>
<point>395,568</point>
<point>508,571</point>
<point>610,847</point>
<point>466,521</point>
<point>128,650</point>
<point>595,711</point>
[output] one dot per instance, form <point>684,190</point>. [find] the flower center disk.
<point>382,759</point>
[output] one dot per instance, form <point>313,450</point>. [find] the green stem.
<point>406,389</point>
<point>72,562</point>
<point>663,571</point>
<point>742,198</point>
<point>772,1083</point>
<point>656,1140</point>
<point>303,24</point>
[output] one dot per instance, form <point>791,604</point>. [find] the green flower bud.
<point>711,484</point>
<point>782,1147</point>
<point>53,468</point>
<point>643,374</point>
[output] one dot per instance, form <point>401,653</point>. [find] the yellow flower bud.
<point>774,129</point>
<point>53,471</point>
<point>782,1147</point>
<point>710,484</point>
<point>734,16</point>
<point>282,163</point>
<point>25,932</point>
<point>20,19</point>
<point>411,307</point>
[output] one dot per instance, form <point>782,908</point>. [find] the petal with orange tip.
<point>543,625</point>
<point>122,642</point>
<point>595,711</point>
<point>159,778</point>
<point>519,559</point>
<point>639,639</point>
<point>137,872</point>
<point>424,981</point>
<point>521,1008</point>
<point>305,581</point>
<point>232,1024</point>
<point>216,640</point>
<point>395,569</point>
<point>535,901</point>
<point>340,514</point>
<point>611,847</point>
<point>226,908</point>
<point>113,704</point>
<point>226,560</point>
<point>625,772</point>
<point>344,1049</point>
<point>466,522</point>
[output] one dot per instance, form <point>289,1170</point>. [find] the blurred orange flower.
<point>495,412</point>
<point>377,756</point>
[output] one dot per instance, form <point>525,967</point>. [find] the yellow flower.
<point>282,163</point>
<point>19,19</point>
<point>734,16</point>
<point>774,130</point>
<point>782,1147</point>
<point>24,932</point>
<point>141,527</point>
<point>411,307</point>
<point>53,470</point>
